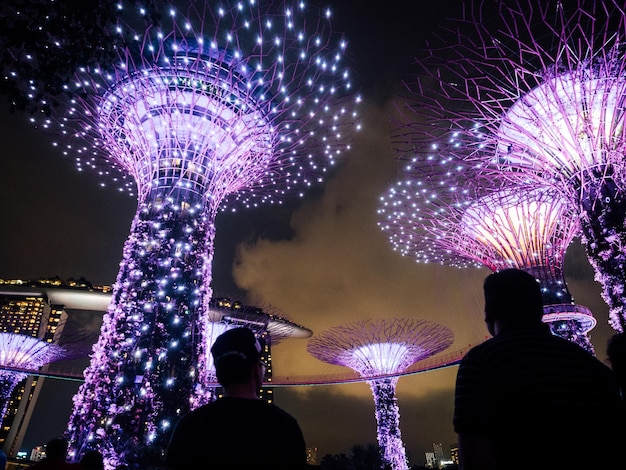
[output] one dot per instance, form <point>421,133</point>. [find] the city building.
<point>454,453</point>
<point>438,450</point>
<point>311,455</point>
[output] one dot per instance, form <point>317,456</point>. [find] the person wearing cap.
<point>526,399</point>
<point>237,431</point>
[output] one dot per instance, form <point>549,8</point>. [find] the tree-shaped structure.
<point>380,350</point>
<point>211,104</point>
<point>448,212</point>
<point>18,353</point>
<point>546,81</point>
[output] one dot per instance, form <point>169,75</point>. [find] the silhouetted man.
<point>526,399</point>
<point>238,431</point>
<point>56,452</point>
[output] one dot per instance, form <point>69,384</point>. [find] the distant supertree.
<point>545,81</point>
<point>447,212</point>
<point>22,352</point>
<point>215,103</point>
<point>378,350</point>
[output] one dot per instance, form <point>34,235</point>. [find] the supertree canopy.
<point>380,350</point>
<point>215,104</point>
<point>22,352</point>
<point>448,212</point>
<point>545,81</point>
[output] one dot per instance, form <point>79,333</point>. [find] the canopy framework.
<point>457,214</point>
<point>20,352</point>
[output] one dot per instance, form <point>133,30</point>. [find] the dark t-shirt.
<point>237,434</point>
<point>54,464</point>
<point>536,394</point>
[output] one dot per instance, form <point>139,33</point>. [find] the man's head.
<point>512,298</point>
<point>237,355</point>
<point>56,448</point>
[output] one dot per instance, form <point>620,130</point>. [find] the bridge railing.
<point>66,372</point>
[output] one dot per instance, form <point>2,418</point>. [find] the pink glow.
<point>381,347</point>
<point>454,213</point>
<point>22,352</point>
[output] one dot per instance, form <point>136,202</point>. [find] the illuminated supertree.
<point>229,102</point>
<point>380,350</point>
<point>22,352</point>
<point>448,212</point>
<point>546,81</point>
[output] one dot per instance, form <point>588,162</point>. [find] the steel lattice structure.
<point>225,314</point>
<point>221,104</point>
<point>22,352</point>
<point>545,82</point>
<point>448,212</point>
<point>378,347</point>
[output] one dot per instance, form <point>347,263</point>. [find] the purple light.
<point>237,105</point>
<point>384,347</point>
<point>567,123</point>
<point>22,352</point>
<point>545,85</point>
<point>448,212</point>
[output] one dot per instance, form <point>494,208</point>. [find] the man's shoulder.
<point>533,349</point>
<point>280,412</point>
<point>242,406</point>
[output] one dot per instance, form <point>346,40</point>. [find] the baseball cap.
<point>239,342</point>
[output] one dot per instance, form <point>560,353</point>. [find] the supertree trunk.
<point>146,367</point>
<point>8,382</point>
<point>569,324</point>
<point>388,423</point>
<point>604,237</point>
<point>570,330</point>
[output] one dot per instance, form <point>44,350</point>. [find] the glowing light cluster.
<point>237,103</point>
<point>252,100</point>
<point>546,83</point>
<point>466,217</point>
<point>382,348</point>
<point>22,352</point>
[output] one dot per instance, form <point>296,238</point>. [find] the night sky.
<point>322,260</point>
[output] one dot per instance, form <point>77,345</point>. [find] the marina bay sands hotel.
<point>47,309</point>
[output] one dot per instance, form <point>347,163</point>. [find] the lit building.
<point>438,450</point>
<point>38,453</point>
<point>311,455</point>
<point>431,462</point>
<point>454,453</point>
